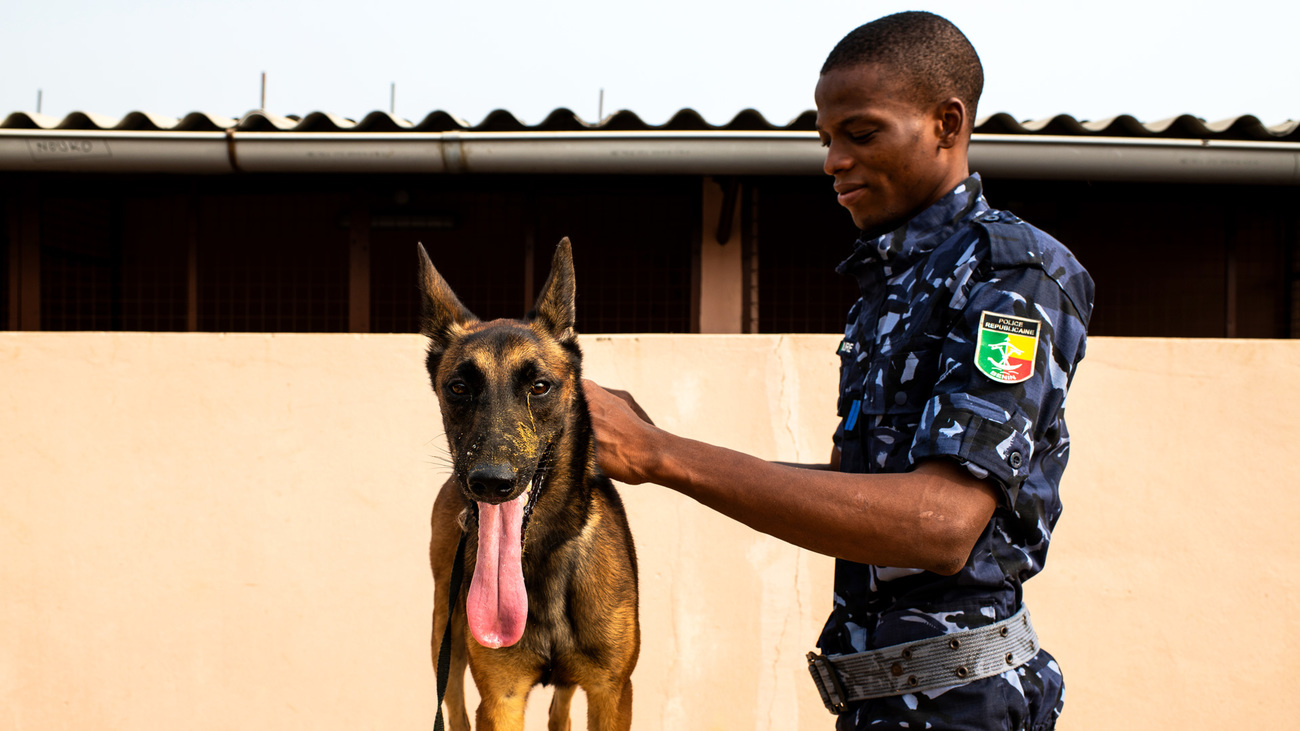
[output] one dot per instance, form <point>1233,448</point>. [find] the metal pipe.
<point>634,153</point>
<point>113,151</point>
<point>1118,159</point>
<point>643,153</point>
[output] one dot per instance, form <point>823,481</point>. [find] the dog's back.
<point>553,593</point>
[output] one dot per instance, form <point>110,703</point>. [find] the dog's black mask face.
<point>507,387</point>
<point>510,392</point>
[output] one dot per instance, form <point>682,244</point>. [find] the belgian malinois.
<point>553,598</point>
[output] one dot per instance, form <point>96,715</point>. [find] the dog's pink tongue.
<point>497,604</point>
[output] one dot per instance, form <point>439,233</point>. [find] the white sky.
<point>1092,59</point>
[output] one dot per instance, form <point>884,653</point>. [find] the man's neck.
<point>954,177</point>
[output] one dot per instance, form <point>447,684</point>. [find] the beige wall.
<point>216,532</point>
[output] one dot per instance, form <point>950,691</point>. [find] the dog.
<point>553,594</point>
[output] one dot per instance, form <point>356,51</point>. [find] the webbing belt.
<point>912,667</point>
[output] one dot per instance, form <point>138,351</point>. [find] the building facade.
<point>308,225</point>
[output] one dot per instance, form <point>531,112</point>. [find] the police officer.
<point>941,491</point>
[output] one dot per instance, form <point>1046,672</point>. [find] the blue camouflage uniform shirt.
<point>910,391</point>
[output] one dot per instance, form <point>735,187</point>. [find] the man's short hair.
<point>934,59</point>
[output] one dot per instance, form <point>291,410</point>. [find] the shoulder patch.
<point>1006,347</point>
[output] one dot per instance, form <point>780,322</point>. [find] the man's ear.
<point>442,316</point>
<point>950,121</point>
<point>555,309</point>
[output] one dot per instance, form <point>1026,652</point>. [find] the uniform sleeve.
<point>996,427</point>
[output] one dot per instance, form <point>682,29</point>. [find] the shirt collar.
<point>899,248</point>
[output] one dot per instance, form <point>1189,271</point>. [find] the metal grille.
<point>488,278</point>
<point>107,264</point>
<point>631,253</point>
<point>629,288</point>
<point>154,264</point>
<point>1291,265</point>
<point>394,295</point>
<point>475,241</point>
<point>1171,284</point>
<point>272,263</point>
<point>81,264</point>
<point>1168,261</point>
<point>8,248</point>
<point>802,234</point>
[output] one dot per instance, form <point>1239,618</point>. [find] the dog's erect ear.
<point>555,308</point>
<point>441,313</point>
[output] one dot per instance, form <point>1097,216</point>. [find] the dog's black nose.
<point>491,483</point>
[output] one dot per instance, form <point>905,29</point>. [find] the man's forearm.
<point>804,466</point>
<point>833,465</point>
<point>928,518</point>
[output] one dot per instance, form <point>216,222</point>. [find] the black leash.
<point>444,651</point>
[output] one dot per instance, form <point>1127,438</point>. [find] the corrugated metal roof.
<point>1186,126</point>
<point>1182,149</point>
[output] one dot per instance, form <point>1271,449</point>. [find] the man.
<point>941,491</point>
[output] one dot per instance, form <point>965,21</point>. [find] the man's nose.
<point>836,161</point>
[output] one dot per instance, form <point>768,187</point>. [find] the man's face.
<point>883,148</point>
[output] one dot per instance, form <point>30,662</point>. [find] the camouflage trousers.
<point>1028,698</point>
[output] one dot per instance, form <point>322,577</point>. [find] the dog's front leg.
<point>560,705</point>
<point>502,708</point>
<point>446,533</point>
<point>609,706</point>
<point>457,716</point>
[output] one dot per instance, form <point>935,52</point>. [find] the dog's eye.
<point>540,388</point>
<point>458,388</point>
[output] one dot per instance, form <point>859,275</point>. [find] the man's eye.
<point>458,388</point>
<point>540,388</point>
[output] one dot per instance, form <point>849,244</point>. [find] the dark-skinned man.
<point>942,488</point>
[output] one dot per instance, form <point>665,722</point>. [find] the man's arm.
<point>833,465</point>
<point>929,518</point>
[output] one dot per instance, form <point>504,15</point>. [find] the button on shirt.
<point>910,390</point>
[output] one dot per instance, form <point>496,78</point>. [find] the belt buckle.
<point>828,683</point>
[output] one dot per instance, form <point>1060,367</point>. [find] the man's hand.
<point>624,433</point>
